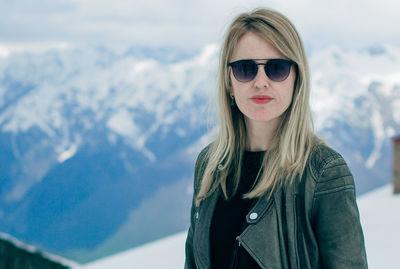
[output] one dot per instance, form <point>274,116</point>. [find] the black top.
<point>229,219</point>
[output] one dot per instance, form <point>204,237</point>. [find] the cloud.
<point>191,23</point>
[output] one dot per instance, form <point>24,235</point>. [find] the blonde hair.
<point>287,156</point>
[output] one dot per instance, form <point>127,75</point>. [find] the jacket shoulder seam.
<point>318,156</point>
<point>335,190</point>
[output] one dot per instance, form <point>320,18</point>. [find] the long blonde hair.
<point>287,156</point>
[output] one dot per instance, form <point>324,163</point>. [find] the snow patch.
<point>381,221</point>
<point>379,135</point>
<point>67,154</point>
<point>145,66</point>
<point>390,132</point>
<point>396,111</point>
<point>122,123</point>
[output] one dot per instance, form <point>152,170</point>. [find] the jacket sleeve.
<point>189,258</point>
<point>198,173</point>
<point>335,217</point>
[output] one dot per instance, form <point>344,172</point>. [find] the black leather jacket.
<point>313,223</point>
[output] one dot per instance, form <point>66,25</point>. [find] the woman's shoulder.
<point>322,154</point>
<point>203,156</point>
<point>200,166</point>
<point>326,163</point>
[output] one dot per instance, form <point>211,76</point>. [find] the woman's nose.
<point>261,80</point>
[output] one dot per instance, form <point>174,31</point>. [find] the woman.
<point>268,193</point>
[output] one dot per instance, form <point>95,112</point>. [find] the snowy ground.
<point>380,218</point>
<point>164,253</point>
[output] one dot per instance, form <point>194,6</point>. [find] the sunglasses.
<point>275,69</point>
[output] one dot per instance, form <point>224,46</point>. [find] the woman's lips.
<point>261,99</point>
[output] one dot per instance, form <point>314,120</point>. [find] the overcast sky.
<point>185,23</point>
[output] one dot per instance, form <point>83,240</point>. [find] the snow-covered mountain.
<point>381,239</point>
<point>88,136</point>
<point>99,145</point>
<point>356,107</point>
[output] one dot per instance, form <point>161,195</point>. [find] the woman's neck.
<point>260,134</point>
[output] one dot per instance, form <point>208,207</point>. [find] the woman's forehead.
<point>253,46</point>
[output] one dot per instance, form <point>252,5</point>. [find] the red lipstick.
<point>261,99</point>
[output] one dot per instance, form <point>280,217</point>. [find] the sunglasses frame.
<point>265,64</point>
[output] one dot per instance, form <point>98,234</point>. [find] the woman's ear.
<point>230,91</point>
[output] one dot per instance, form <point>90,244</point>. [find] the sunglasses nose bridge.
<point>261,75</point>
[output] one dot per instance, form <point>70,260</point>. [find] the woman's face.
<point>261,100</point>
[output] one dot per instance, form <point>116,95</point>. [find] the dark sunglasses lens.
<point>278,69</point>
<point>244,70</point>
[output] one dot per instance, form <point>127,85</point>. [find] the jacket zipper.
<point>196,218</point>
<point>235,253</point>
